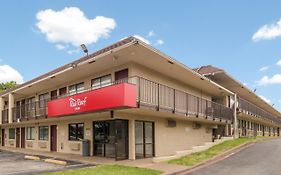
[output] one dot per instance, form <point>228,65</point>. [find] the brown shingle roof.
<point>209,69</point>
<point>106,49</point>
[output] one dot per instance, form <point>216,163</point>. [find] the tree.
<point>7,85</point>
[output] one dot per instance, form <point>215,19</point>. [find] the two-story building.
<point>128,100</point>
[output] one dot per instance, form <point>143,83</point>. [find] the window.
<point>12,133</point>
<point>43,100</point>
<point>30,133</point>
<point>31,103</point>
<point>76,131</point>
<point>101,82</point>
<point>76,88</point>
<point>43,132</point>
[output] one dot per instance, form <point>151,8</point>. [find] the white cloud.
<point>151,33</point>
<point>265,99</point>
<point>142,39</point>
<point>268,32</point>
<point>7,73</point>
<point>61,46</point>
<point>278,63</point>
<point>265,80</point>
<point>159,42</point>
<point>264,68</point>
<point>74,51</point>
<point>71,26</point>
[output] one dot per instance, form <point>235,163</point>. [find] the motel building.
<point>130,101</point>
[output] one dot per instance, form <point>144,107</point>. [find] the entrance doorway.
<point>22,139</point>
<point>3,137</point>
<point>54,138</point>
<point>111,139</point>
<point>17,137</point>
<point>144,138</point>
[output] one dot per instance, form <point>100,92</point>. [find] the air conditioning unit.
<point>196,125</point>
<point>171,123</point>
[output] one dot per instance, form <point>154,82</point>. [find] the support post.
<point>235,124</point>
<point>10,107</point>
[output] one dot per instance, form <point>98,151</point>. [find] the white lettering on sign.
<point>77,103</point>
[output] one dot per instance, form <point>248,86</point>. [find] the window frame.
<point>76,132</point>
<point>100,84</point>
<point>76,91</point>
<point>43,102</point>
<point>39,133</point>
<point>32,134</point>
<point>14,135</point>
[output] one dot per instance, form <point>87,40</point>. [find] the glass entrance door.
<point>111,139</point>
<point>144,138</point>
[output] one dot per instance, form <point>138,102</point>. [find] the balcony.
<point>163,98</point>
<point>251,109</point>
<point>30,111</point>
<point>5,116</point>
<point>126,93</point>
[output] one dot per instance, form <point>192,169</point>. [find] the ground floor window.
<point>76,131</point>
<point>12,133</point>
<point>144,138</point>
<point>30,133</point>
<point>43,132</point>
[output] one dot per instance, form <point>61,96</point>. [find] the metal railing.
<point>5,116</point>
<point>251,109</point>
<point>149,94</point>
<point>162,97</point>
<point>30,111</point>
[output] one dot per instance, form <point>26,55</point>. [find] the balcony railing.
<point>5,116</point>
<point>30,111</point>
<point>251,109</point>
<point>150,95</point>
<point>163,98</point>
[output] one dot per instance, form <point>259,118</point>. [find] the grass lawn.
<point>107,170</point>
<point>196,158</point>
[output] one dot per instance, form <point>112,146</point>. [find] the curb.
<point>215,159</point>
<point>31,157</point>
<point>58,162</point>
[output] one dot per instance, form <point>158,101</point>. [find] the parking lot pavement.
<point>15,164</point>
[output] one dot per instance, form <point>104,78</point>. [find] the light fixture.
<point>84,48</point>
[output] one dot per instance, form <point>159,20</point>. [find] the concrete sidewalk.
<point>142,163</point>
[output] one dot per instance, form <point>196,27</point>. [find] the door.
<point>3,137</point>
<point>122,147</point>
<point>54,95</point>
<point>17,137</point>
<point>17,111</point>
<point>111,139</point>
<point>22,140</point>
<point>54,138</point>
<point>23,107</point>
<point>144,139</point>
<point>122,75</point>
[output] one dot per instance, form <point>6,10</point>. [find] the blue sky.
<point>241,37</point>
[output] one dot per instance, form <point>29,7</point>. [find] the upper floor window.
<point>31,103</point>
<point>43,100</point>
<point>76,88</point>
<point>101,82</point>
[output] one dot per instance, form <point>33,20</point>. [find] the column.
<point>235,117</point>
<point>2,103</point>
<point>10,107</point>
<point>132,152</point>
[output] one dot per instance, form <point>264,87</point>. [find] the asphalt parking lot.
<point>15,164</point>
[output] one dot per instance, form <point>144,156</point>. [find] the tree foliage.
<point>7,85</point>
